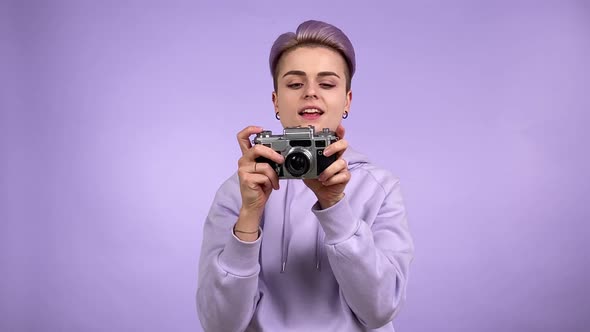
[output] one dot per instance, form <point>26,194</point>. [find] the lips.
<point>311,112</point>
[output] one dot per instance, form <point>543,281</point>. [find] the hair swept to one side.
<point>313,33</point>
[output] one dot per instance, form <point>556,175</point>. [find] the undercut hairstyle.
<point>313,34</point>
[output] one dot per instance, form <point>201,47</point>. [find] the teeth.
<point>311,110</point>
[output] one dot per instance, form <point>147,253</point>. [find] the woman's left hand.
<point>329,187</point>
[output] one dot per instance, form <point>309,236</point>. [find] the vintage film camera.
<point>303,150</point>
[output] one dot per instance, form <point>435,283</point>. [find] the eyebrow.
<point>302,73</point>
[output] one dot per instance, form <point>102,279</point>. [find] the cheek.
<point>338,101</point>
<point>287,100</point>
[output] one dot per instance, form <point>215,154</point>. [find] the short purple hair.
<point>313,33</point>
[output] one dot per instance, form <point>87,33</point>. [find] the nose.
<point>310,92</point>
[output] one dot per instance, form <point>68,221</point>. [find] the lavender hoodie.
<point>344,268</point>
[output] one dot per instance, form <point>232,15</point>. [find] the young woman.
<point>326,254</point>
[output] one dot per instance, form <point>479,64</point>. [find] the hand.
<point>257,180</point>
<point>329,187</point>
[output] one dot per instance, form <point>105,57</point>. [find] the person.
<point>325,254</point>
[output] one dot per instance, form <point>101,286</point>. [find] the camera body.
<point>302,148</point>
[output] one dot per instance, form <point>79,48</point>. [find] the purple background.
<point>118,123</point>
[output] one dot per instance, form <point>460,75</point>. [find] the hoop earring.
<point>277,116</point>
<point>345,115</point>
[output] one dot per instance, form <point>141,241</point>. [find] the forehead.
<point>312,60</point>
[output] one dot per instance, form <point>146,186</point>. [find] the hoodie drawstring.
<point>318,249</point>
<point>286,225</point>
<point>286,233</point>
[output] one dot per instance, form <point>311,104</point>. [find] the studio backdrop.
<point>118,122</point>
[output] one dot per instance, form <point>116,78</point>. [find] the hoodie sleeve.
<point>370,258</point>
<point>227,291</point>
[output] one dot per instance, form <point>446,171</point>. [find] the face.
<point>311,88</point>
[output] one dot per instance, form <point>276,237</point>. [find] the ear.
<point>275,101</point>
<point>348,100</point>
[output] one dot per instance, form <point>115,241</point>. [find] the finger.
<point>338,166</point>
<point>340,131</point>
<point>255,181</point>
<point>260,150</point>
<point>336,147</point>
<point>244,137</point>
<point>266,186</point>
<point>266,169</point>
<point>340,178</point>
<point>260,168</point>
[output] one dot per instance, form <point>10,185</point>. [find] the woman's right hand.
<point>257,180</point>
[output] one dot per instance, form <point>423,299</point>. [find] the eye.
<point>295,85</point>
<point>327,85</point>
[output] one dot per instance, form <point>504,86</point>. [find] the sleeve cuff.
<point>338,221</point>
<point>240,258</point>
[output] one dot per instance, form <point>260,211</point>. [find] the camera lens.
<point>297,164</point>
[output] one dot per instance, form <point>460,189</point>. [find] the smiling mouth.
<point>311,112</point>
